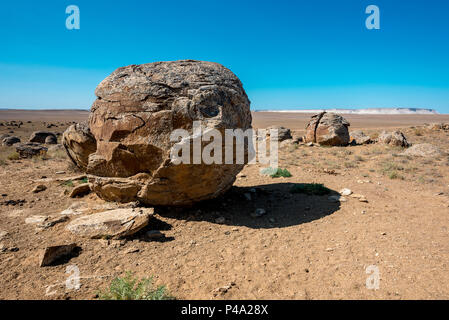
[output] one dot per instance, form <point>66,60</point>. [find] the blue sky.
<point>288,54</point>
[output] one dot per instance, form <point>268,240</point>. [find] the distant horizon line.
<point>300,110</point>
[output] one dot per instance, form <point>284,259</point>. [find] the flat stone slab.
<point>112,224</point>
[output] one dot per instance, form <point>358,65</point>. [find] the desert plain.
<point>304,247</point>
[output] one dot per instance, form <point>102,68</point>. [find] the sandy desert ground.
<point>305,247</point>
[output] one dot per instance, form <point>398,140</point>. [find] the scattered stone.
<point>283,133</point>
<point>60,172</point>
<point>154,234</point>
<point>132,250</point>
<point>345,192</point>
<point>3,234</point>
<point>113,224</point>
<point>51,140</point>
<point>35,219</point>
<point>39,188</point>
<point>327,129</point>
<point>247,196</point>
<point>28,150</point>
<point>163,97</point>
<point>9,141</point>
<point>423,150</point>
<point>52,254</point>
<point>259,212</point>
<point>220,220</point>
<point>41,136</point>
<point>395,138</point>
<point>358,137</point>
<point>75,209</point>
<point>19,202</point>
<point>51,221</point>
<point>335,198</point>
<point>80,190</point>
<point>363,199</point>
<point>79,143</point>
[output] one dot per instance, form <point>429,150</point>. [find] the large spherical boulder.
<point>79,143</point>
<point>327,128</point>
<point>137,109</point>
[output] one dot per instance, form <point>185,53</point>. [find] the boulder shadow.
<point>237,207</point>
<point>153,224</point>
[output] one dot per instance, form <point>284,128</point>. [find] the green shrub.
<point>13,156</point>
<point>276,172</point>
<point>310,189</point>
<point>130,288</point>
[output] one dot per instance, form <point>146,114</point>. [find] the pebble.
<point>39,188</point>
<point>220,220</point>
<point>345,192</point>
<point>258,213</point>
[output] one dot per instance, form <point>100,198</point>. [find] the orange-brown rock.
<point>137,109</point>
<point>79,144</point>
<point>327,129</point>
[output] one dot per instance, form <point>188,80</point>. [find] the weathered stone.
<point>79,144</point>
<point>112,224</point>
<point>327,129</point>
<point>137,109</point>
<point>395,138</point>
<point>345,192</point>
<point>358,137</point>
<point>41,136</point>
<point>80,190</point>
<point>35,219</point>
<point>423,150</point>
<point>3,234</point>
<point>51,221</point>
<point>9,141</point>
<point>39,188</point>
<point>51,140</point>
<point>28,150</point>
<point>76,209</point>
<point>283,133</point>
<point>51,254</point>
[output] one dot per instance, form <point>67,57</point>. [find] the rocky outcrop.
<point>113,224</point>
<point>28,150</point>
<point>79,143</point>
<point>41,136</point>
<point>327,129</point>
<point>395,138</point>
<point>137,109</point>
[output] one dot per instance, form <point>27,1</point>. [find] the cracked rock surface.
<point>327,128</point>
<point>137,109</point>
